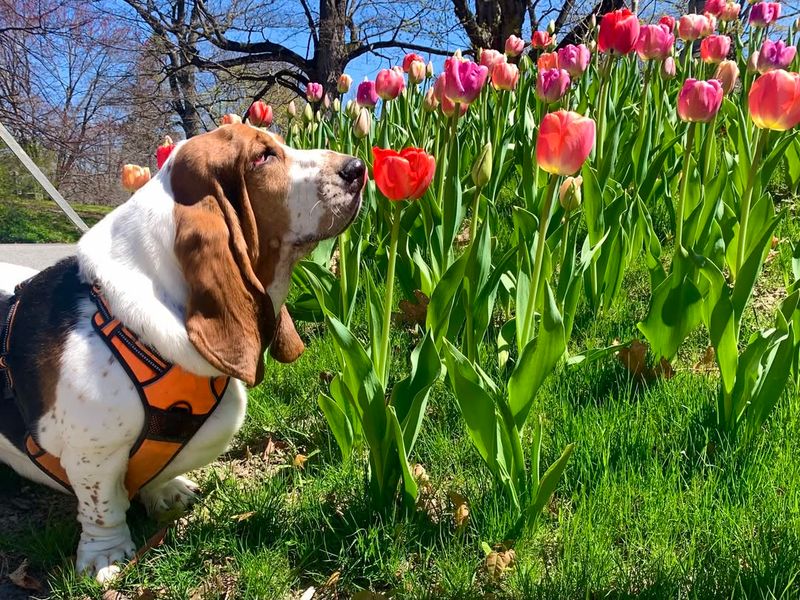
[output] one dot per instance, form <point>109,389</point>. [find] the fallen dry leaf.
<point>634,358</point>
<point>114,595</point>
<point>419,474</point>
<point>20,578</point>
<point>460,508</point>
<point>707,362</point>
<point>333,579</point>
<point>497,563</point>
<point>308,594</point>
<point>299,461</point>
<point>243,516</point>
<point>413,313</point>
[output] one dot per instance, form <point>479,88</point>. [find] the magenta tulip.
<point>574,59</point>
<point>552,84</point>
<point>314,91</point>
<point>366,94</point>
<point>464,79</point>
<point>774,55</point>
<point>699,101</point>
<point>764,13</point>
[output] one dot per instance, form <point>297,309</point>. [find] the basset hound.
<point>194,268</point>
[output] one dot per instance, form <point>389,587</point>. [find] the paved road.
<point>37,256</point>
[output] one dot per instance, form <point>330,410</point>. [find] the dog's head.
<point>247,207</point>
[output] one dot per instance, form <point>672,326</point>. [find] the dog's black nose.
<point>353,170</point>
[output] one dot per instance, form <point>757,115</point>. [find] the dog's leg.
<point>97,477</point>
<point>175,494</point>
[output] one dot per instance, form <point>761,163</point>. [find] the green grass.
<point>29,220</point>
<point>655,502</point>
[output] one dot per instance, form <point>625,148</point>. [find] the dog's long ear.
<point>287,345</point>
<point>229,318</point>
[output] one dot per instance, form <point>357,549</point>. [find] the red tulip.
<point>699,101</point>
<point>764,13</point>
<point>163,151</point>
<point>774,55</point>
<point>403,175</point>
<point>774,100</point>
<point>564,143</point>
<point>547,60</point>
<point>669,21</point>
<point>619,31</point>
<point>655,42</point>
<point>410,58</point>
<point>541,40</point>
<point>514,45</point>
<point>714,49</point>
<point>714,7</point>
<point>552,84</point>
<point>260,114</point>
<point>574,59</point>
<point>389,83</point>
<point>505,76</point>
<point>314,91</point>
<point>464,79</point>
<point>691,27</point>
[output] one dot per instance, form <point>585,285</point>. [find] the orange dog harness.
<point>176,404</point>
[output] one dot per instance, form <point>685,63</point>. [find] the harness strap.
<point>5,336</point>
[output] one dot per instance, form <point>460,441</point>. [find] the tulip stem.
<point>601,110</point>
<point>648,74</point>
<point>565,239</point>
<point>746,200</point>
<point>383,359</point>
<point>544,221</point>
<point>684,188</point>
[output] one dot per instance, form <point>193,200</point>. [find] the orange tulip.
<point>547,60</point>
<point>230,119</point>
<point>403,175</point>
<point>775,100</point>
<point>134,177</point>
<point>565,140</point>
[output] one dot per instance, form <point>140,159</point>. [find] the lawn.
<point>24,220</point>
<point>655,502</point>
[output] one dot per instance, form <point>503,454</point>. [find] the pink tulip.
<point>727,74</point>
<point>730,12</point>
<point>714,7</point>
<point>464,80</point>
<point>775,100</point>
<point>314,91</point>
<point>691,27</point>
<point>699,101</point>
<point>668,69</point>
<point>552,84</point>
<point>260,114</point>
<point>574,59</point>
<point>410,58</point>
<point>366,94</point>
<point>416,71</point>
<point>711,24</point>
<point>389,83</point>
<point>655,42</point>
<point>564,143</point>
<point>669,21</point>
<point>514,45</point>
<point>774,55</point>
<point>541,40</point>
<point>764,13</point>
<point>490,58</point>
<point>505,76</point>
<point>619,31</point>
<point>714,49</point>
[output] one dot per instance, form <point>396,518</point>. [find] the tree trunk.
<point>329,54</point>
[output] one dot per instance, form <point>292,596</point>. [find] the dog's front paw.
<point>100,556</point>
<point>174,495</point>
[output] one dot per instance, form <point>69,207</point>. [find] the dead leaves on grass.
<point>22,579</point>
<point>634,359</point>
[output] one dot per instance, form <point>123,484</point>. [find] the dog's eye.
<point>267,155</point>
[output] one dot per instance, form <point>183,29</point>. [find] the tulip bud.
<point>525,63</point>
<point>326,101</point>
<point>230,119</point>
<point>429,69</point>
<point>482,168</point>
<point>416,71</point>
<point>635,6</point>
<point>593,22</point>
<point>344,83</point>
<point>362,124</point>
<point>337,105</point>
<point>569,194</point>
<point>668,68</point>
<point>797,24</point>
<point>752,62</point>
<point>295,129</point>
<point>318,117</point>
<point>292,110</point>
<point>353,110</point>
<point>727,73</point>
<point>457,55</point>
<point>430,103</point>
<point>134,177</point>
<point>551,27</point>
<point>308,113</point>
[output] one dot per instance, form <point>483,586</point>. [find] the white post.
<point>26,160</point>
